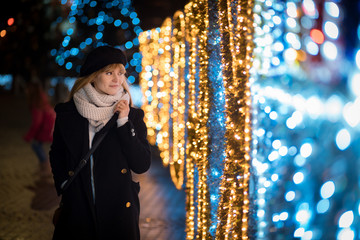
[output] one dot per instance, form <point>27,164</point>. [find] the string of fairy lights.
<point>178,100</point>
<point>104,21</point>
<point>267,88</point>
<point>236,22</point>
<point>230,197</point>
<point>191,147</point>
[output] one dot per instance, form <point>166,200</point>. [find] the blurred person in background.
<point>42,124</point>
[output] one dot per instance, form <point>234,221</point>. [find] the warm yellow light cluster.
<point>198,150</point>
<point>149,47</point>
<point>236,26</point>
<point>191,36</point>
<point>163,82</point>
<point>178,100</point>
<point>164,93</point>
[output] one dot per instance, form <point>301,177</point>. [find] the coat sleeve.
<point>133,136</point>
<point>57,157</point>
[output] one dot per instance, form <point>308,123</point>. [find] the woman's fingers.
<point>123,108</point>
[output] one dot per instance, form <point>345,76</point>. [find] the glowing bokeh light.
<point>331,30</point>
<point>346,219</point>
<point>327,189</point>
<point>343,139</point>
<point>10,21</point>
<point>317,36</point>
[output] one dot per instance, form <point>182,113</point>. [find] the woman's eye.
<point>108,73</point>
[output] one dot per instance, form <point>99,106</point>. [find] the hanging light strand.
<point>191,33</point>
<point>178,100</point>
<point>236,28</point>
<point>201,130</point>
<point>165,77</point>
<point>149,47</point>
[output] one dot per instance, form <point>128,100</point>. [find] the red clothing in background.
<point>42,124</point>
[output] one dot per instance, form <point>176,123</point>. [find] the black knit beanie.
<point>101,57</point>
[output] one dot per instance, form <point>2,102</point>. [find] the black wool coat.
<point>115,212</point>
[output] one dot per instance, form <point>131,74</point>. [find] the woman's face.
<point>110,81</point>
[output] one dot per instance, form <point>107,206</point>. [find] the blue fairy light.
<point>99,35</point>
<point>327,189</point>
<point>306,150</point>
<point>312,48</point>
<point>68,65</point>
<point>323,206</point>
<point>99,20</point>
<point>298,177</point>
<point>74,51</point>
<point>101,28</point>
<point>274,177</point>
<point>343,139</point>
<point>72,20</point>
<point>299,160</point>
<point>117,22</point>
<point>332,9</point>
<point>70,31</point>
<point>124,25</point>
<point>346,234</point>
<point>93,3</point>
<point>331,30</point>
<point>133,15</point>
<point>53,52</point>
<point>346,219</point>
<point>329,50</point>
<point>125,17</point>
<point>61,62</point>
<point>136,21</point>
<point>290,196</point>
<point>131,79</point>
<point>124,11</point>
<point>129,45</point>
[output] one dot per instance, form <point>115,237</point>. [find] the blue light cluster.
<point>306,122</point>
<point>111,16</point>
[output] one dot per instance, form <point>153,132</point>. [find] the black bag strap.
<point>101,135</point>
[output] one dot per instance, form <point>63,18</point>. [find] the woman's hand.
<point>123,108</point>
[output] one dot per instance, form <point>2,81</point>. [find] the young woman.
<point>42,124</point>
<point>102,201</point>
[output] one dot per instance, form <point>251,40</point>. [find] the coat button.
<point>123,171</point>
<point>133,134</point>
<point>128,204</point>
<point>71,173</point>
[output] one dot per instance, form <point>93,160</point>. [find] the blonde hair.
<point>82,81</point>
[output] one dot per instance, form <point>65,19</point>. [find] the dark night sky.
<point>151,12</point>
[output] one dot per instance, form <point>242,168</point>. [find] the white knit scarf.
<point>97,107</point>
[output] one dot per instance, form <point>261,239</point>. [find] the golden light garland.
<point>235,21</point>
<point>178,100</point>
<point>191,33</point>
<point>163,137</point>
<point>149,47</point>
<point>236,47</point>
<point>201,127</point>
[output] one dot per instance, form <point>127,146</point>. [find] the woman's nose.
<point>117,78</point>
